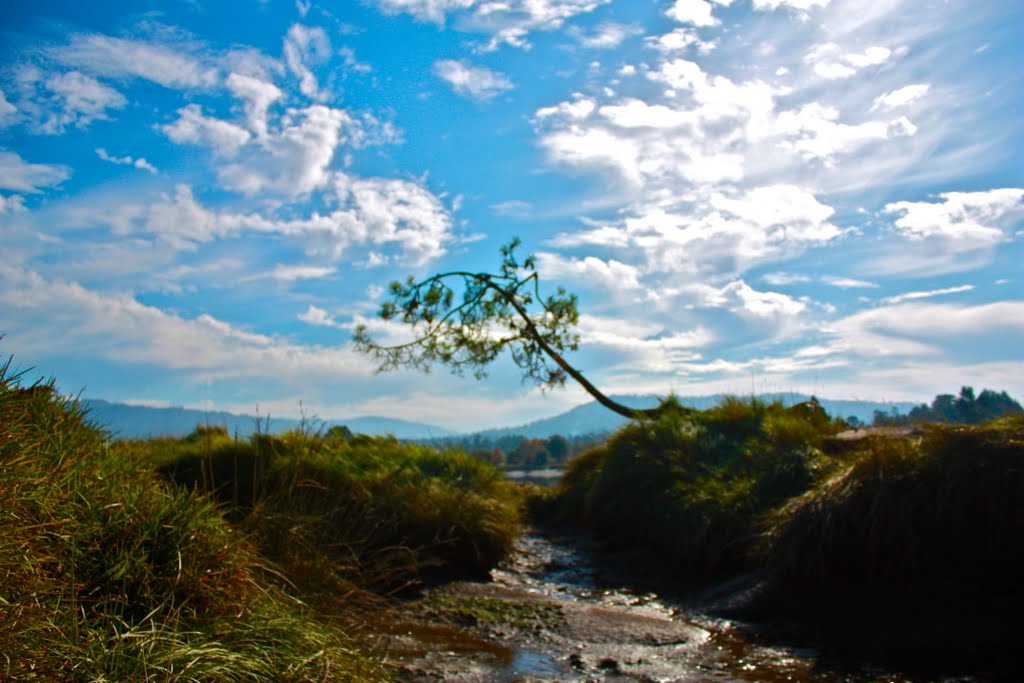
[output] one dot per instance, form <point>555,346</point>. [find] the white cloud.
<point>192,126</point>
<point>606,35</point>
<point>258,96</point>
<point>21,176</point>
<point>7,110</point>
<point>695,12</point>
<point>611,275</point>
<point>477,82</point>
<point>171,66</point>
<point>74,99</point>
<point>901,97</point>
<point>426,10</point>
<point>140,163</point>
<point>55,317</point>
<point>293,160</point>
<point>780,279</point>
<point>508,22</point>
<point>743,299</point>
<point>680,39</point>
<point>314,315</point>
<point>814,132</point>
<point>641,347</point>
<point>13,203</point>
<point>830,62</point>
<point>847,282</point>
<point>917,329</point>
<point>913,296</point>
<point>978,218</point>
<point>283,273</point>
<point>306,46</point>
<point>719,238</point>
<point>802,5</point>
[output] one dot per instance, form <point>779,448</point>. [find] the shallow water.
<point>610,631</point>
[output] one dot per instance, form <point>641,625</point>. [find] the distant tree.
<point>490,313</point>
<point>558,448</point>
<point>967,408</point>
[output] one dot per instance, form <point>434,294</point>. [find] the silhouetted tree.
<point>493,312</point>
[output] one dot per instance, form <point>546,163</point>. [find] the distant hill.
<point>593,418</point>
<point>140,422</point>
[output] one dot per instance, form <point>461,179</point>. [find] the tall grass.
<point>340,515</point>
<point>692,487</point>
<point>943,507</point>
<point>108,574</point>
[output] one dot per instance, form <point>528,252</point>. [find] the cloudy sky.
<point>199,200</point>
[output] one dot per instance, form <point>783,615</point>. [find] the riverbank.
<point>563,609</point>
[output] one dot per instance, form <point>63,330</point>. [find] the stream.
<point>551,613</point>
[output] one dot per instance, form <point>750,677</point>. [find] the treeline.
<point>949,409</point>
<point>516,451</point>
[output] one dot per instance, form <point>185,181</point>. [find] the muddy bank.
<point>554,614</point>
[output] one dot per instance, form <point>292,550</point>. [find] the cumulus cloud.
<point>695,12</point>
<point>830,62</point>
<point>979,218</point>
<point>258,95</point>
<point>192,126</point>
<point>314,315</point>
<point>722,237</point>
<point>477,82</point>
<point>611,275</point>
<point>21,176</point>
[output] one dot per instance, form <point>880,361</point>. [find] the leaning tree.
<point>469,329</point>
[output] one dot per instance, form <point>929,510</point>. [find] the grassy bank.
<point>117,563</point>
<point>755,486</point>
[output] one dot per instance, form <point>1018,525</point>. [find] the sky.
<point>200,200</point>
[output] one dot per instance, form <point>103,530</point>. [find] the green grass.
<point>211,559</point>
<point>692,487</point>
<point>109,574</point>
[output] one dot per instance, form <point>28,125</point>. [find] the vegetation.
<point>497,312</point>
<point>751,485</point>
<point>693,487</point>
<point>942,508</point>
<point>117,563</point>
<point>963,409</point>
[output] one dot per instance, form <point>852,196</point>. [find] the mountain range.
<point>137,422</point>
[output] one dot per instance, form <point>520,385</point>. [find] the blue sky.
<point>199,200</point>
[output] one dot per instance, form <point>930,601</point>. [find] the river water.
<point>570,619</point>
